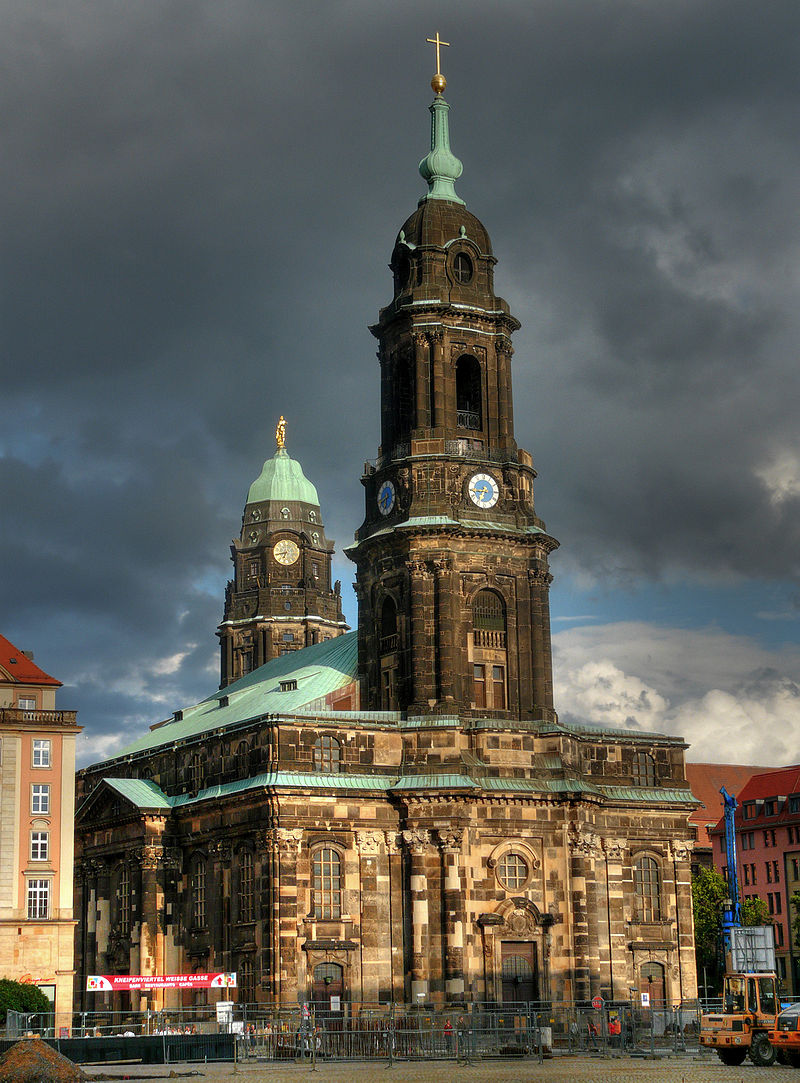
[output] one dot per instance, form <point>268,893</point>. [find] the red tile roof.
<point>705,781</point>
<point>17,669</point>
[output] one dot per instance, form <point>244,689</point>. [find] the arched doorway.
<point>520,972</point>
<point>327,994</point>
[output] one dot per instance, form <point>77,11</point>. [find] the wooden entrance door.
<point>520,971</point>
<point>651,980</point>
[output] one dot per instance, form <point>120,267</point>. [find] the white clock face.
<point>483,490</point>
<point>386,498</point>
<point>285,551</point>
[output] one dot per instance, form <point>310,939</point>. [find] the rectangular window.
<point>744,841</point>
<point>41,753</point>
<point>746,874</point>
<point>790,829</point>
<point>288,637</point>
<point>315,570</point>
<point>769,807</point>
<point>40,799</point>
<point>794,803</point>
<point>498,688</point>
<point>39,845</point>
<point>772,836</point>
<point>766,838</point>
<point>769,872</point>
<point>749,811</point>
<point>753,874</point>
<point>38,899</point>
<point>26,703</point>
<point>479,685</point>
<point>796,868</point>
<point>779,935</point>
<point>775,872</point>
<point>778,902</point>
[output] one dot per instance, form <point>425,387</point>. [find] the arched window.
<point>246,982</point>
<point>124,898</point>
<point>327,754</point>
<point>462,268</point>
<point>489,650</point>
<point>646,889</point>
<point>242,758</point>
<point>198,893</point>
<point>489,619</point>
<point>468,393</point>
<point>389,639</point>
<point>644,770</point>
<point>326,884</point>
<point>403,396</point>
<point>246,897</point>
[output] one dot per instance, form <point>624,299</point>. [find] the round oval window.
<point>462,268</point>
<point>512,871</point>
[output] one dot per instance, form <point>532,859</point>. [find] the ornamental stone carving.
<point>420,339</point>
<point>150,857</point>
<point>615,849</point>
<point>681,850</point>
<point>392,842</point>
<point>289,838</point>
<point>221,849</point>
<point>451,841</point>
<point>369,842</point>
<point>417,839</point>
<point>584,841</point>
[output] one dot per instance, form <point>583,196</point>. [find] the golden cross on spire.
<point>437,41</point>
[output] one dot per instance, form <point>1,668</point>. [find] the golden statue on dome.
<point>280,433</point>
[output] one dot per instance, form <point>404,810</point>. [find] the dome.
<point>282,479</point>
<point>437,221</point>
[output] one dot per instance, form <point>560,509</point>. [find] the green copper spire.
<point>440,167</point>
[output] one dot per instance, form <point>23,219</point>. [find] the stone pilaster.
<point>418,842</point>
<point>453,917</point>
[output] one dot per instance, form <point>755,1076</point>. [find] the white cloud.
<point>781,477</point>
<point>730,698</point>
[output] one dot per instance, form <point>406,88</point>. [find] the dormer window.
<point>312,517</point>
<point>749,810</point>
<point>462,268</point>
<point>289,686</point>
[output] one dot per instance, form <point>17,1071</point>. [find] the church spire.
<point>440,167</point>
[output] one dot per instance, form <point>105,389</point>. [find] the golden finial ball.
<point>438,83</point>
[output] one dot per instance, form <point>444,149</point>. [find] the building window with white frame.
<point>40,798</point>
<point>41,752</point>
<point>38,899</point>
<point>26,703</point>
<point>40,845</point>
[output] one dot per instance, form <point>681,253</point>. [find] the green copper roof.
<point>282,479</point>
<point>314,671</point>
<point>141,792</point>
<point>440,167</point>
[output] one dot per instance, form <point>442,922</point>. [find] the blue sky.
<point>198,205</point>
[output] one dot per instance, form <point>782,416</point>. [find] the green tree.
<point>709,891</point>
<point>20,997</point>
<point>794,910</point>
<point>755,911</point>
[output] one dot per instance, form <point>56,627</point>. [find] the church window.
<point>462,268</point>
<point>196,772</point>
<point>246,982</point>
<point>315,538</point>
<point>489,620</point>
<point>284,513</point>
<point>512,871</point>
<point>389,638</point>
<point>468,393</point>
<point>646,889</point>
<point>644,770</point>
<point>254,569</point>
<point>327,755</point>
<point>315,570</point>
<point>246,897</point>
<point>312,517</point>
<point>124,897</point>
<point>327,884</point>
<point>479,685</point>
<point>198,894</point>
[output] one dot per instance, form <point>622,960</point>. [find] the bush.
<point>18,997</point>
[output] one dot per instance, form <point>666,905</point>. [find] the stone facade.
<point>414,824</point>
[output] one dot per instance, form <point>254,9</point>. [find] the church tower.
<point>452,560</point>
<point>281,597</point>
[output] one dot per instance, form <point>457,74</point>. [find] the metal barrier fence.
<point>374,1032</point>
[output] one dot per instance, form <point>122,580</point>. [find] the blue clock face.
<point>483,490</point>
<point>386,498</point>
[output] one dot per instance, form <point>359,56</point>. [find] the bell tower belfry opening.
<point>451,553</point>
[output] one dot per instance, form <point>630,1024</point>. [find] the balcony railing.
<point>482,637</point>
<point>389,643</point>
<point>468,419</point>
<point>12,715</point>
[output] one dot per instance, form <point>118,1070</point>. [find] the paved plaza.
<point>688,1069</point>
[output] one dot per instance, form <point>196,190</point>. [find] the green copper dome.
<point>282,479</point>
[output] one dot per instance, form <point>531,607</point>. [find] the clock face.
<point>386,498</point>
<point>285,551</point>
<point>483,490</point>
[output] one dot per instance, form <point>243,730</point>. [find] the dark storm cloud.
<point>198,205</point>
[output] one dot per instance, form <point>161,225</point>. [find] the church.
<point>395,814</point>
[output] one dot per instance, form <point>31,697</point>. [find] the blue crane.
<point>732,912</point>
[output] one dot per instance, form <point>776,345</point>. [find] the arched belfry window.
<point>468,393</point>
<point>389,637</point>
<point>489,620</point>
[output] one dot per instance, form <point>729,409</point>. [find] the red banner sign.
<point>122,983</point>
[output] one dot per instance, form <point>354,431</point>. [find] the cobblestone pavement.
<point>688,1069</point>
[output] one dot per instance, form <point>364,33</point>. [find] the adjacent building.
<point>37,809</point>
<point>398,814</point>
<point>706,781</point>
<point>768,852</point>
